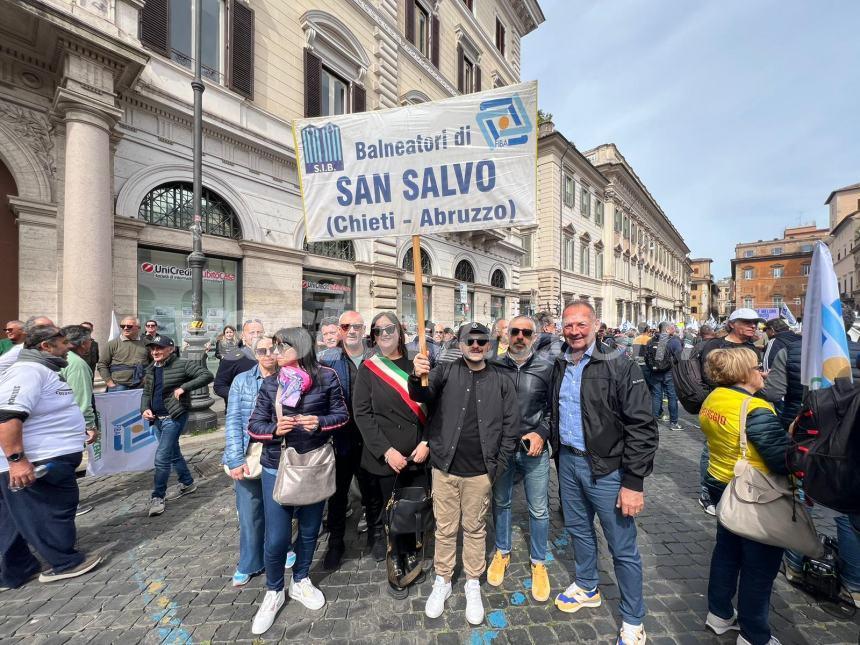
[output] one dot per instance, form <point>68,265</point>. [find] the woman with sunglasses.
<point>392,426</point>
<point>313,405</point>
<point>249,492</point>
<point>739,565</point>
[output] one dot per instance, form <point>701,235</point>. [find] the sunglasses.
<point>388,330</point>
<point>264,351</point>
<point>480,342</point>
<point>281,348</point>
<point>353,326</point>
<point>527,333</point>
<point>128,326</point>
<point>9,330</point>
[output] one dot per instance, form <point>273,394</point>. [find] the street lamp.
<point>200,417</point>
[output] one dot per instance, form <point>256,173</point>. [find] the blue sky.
<point>741,116</point>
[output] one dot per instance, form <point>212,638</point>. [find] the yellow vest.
<point>720,420</point>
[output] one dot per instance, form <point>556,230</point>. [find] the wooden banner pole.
<point>419,299</point>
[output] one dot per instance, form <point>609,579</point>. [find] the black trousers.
<point>346,467</point>
<point>382,491</point>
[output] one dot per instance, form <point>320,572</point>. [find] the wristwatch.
<point>15,457</point>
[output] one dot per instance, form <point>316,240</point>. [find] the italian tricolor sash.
<point>398,379</point>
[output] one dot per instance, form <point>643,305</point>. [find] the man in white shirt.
<point>42,433</point>
<point>7,359</point>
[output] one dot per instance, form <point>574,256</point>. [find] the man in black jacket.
<point>237,360</point>
<point>472,434</point>
<point>607,437</point>
<point>167,386</point>
<point>532,376</point>
<point>781,361</point>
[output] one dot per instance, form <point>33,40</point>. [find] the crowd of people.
<point>461,420</point>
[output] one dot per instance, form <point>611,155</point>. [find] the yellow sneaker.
<point>496,572</point>
<point>540,583</point>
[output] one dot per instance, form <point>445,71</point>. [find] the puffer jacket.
<point>533,381</point>
<point>240,405</point>
<point>178,372</point>
<point>324,400</point>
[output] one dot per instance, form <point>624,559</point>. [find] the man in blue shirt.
<point>606,437</point>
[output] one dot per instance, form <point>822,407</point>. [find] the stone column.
<point>37,257</point>
<point>87,288</point>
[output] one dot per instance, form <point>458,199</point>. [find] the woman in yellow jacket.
<point>740,565</point>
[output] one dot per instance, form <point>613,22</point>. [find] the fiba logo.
<point>131,432</point>
<point>322,148</point>
<point>504,122</point>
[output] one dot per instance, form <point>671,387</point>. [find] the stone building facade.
<point>725,298</point>
<point>95,155</point>
<point>844,205</point>
<point>703,291</point>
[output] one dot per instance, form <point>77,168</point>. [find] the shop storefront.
<point>464,304</point>
<point>409,305</point>
<point>324,295</point>
<point>164,293</point>
<point>497,307</point>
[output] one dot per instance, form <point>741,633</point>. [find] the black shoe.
<point>398,593</point>
<point>333,557</point>
<point>379,547</point>
<point>411,561</point>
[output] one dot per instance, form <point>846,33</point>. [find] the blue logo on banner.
<point>504,122</point>
<point>322,148</point>
<point>131,432</point>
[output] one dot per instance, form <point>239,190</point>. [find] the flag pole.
<point>419,299</point>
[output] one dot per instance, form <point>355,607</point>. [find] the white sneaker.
<point>272,602</point>
<point>305,592</point>
<point>631,635</point>
<point>156,506</point>
<point>743,641</point>
<point>436,600</point>
<point>722,625</point>
<point>474,604</point>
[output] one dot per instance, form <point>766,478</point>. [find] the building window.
<point>619,311</point>
<point>804,269</point>
<point>777,271</point>
<point>584,202</point>
<point>694,286</point>
<point>181,32</point>
<point>598,212</point>
<point>464,272</point>
<point>498,279</point>
<point>422,29</point>
<point>694,310</point>
<point>777,250</point>
<point>500,37</point>
<point>748,302</point>
<point>748,274</point>
<point>409,305</point>
<point>749,253</point>
<point>584,259</point>
<point>426,264</point>
<point>470,4</point>
<point>618,219</point>
<point>171,205</point>
<point>778,302</point>
<point>626,225</point>
<point>567,256</point>
<point>598,264</point>
<point>806,248</point>
<point>598,308</point>
<point>497,307</point>
<point>335,92</point>
<point>339,250</point>
<point>528,242</point>
<point>569,191</point>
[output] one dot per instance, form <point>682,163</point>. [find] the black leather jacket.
<point>533,380</point>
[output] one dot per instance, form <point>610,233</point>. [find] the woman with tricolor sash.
<point>392,426</point>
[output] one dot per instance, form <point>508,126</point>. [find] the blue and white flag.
<point>825,344</point>
<point>785,312</point>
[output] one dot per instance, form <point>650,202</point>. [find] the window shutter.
<point>154,26</point>
<point>460,64</point>
<point>434,41</point>
<point>477,78</point>
<point>241,49</point>
<point>410,21</point>
<point>313,84</point>
<point>359,99</point>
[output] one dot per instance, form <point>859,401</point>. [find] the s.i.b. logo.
<point>131,432</point>
<point>504,122</point>
<point>322,148</point>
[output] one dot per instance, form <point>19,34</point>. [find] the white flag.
<point>114,326</point>
<point>785,312</point>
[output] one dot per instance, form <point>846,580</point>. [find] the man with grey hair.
<point>14,330</point>
<point>123,360</point>
<point>7,359</point>
<point>660,353</point>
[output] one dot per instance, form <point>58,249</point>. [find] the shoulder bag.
<point>408,511</point>
<point>762,507</point>
<point>305,478</point>
<point>252,460</point>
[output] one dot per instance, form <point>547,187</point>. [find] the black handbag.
<point>408,511</point>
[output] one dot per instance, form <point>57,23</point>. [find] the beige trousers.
<point>456,501</point>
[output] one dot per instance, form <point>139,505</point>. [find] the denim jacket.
<point>240,405</point>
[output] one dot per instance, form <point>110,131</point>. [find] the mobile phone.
<point>526,444</point>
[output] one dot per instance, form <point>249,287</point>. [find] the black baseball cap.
<point>472,328</point>
<point>161,341</point>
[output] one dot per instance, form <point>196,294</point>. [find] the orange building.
<point>768,273</point>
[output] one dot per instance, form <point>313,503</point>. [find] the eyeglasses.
<point>265,351</point>
<point>388,330</point>
<point>281,348</point>
<point>128,326</point>
<point>353,326</point>
<point>480,342</point>
<point>527,333</point>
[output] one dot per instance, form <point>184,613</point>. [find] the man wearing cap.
<point>472,434</point>
<point>167,386</point>
<point>781,361</point>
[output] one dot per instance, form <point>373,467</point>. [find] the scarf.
<point>293,383</point>
<point>53,363</point>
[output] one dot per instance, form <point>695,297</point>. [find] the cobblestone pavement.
<point>167,579</point>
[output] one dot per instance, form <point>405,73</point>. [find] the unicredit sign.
<point>172,272</point>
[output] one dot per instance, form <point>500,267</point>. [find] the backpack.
<point>687,378</point>
<point>663,363</point>
<point>826,446</point>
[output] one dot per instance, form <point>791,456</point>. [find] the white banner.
<point>467,162</point>
<point>126,441</point>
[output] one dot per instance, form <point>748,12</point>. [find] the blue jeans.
<point>745,567</point>
<point>252,525</point>
<point>535,472</point>
<point>279,531</point>
<point>41,516</point>
<point>168,455</point>
<point>581,497</point>
<point>704,460</point>
<point>659,382</point>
